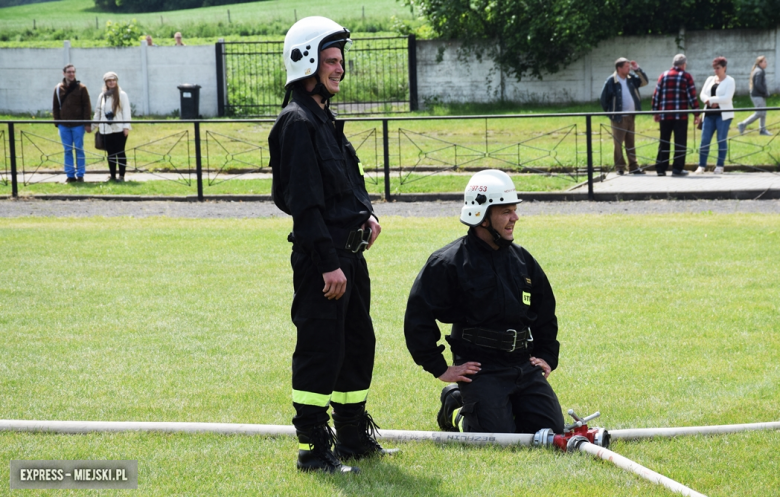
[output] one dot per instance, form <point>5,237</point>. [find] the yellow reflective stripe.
<point>360,168</point>
<point>350,397</point>
<point>458,422</point>
<point>305,446</point>
<point>310,398</point>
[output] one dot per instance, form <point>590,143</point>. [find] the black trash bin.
<point>190,101</point>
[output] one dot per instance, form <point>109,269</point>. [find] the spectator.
<point>675,91</point>
<point>113,105</point>
<point>71,103</point>
<point>758,94</point>
<point>717,93</point>
<point>621,93</point>
<point>177,37</point>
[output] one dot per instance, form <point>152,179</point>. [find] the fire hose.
<point>576,437</point>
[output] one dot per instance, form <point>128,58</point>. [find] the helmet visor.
<point>339,40</point>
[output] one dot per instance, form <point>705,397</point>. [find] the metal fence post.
<point>198,164</point>
<point>12,150</point>
<point>220,49</point>
<point>589,142</point>
<point>412,47</point>
<point>386,146</point>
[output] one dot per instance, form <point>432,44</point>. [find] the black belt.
<point>508,340</point>
<point>355,241</point>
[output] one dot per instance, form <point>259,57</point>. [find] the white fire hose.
<point>506,439</point>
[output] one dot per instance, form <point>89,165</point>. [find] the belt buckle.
<point>514,339</point>
<point>358,240</point>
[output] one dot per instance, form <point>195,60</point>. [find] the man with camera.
<point>621,93</point>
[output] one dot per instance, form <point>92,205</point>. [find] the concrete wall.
<point>149,76</point>
<point>452,81</point>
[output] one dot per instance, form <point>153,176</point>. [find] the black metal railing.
<point>397,153</point>
<point>382,73</point>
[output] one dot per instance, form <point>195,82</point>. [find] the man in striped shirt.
<point>675,91</point>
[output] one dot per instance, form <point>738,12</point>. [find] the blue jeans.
<point>73,138</point>
<point>710,126</point>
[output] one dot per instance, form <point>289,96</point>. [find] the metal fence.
<point>382,72</point>
<point>400,155</point>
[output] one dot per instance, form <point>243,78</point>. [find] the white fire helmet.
<point>486,188</point>
<point>304,41</point>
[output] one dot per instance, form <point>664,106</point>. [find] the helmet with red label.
<point>304,42</point>
<point>485,189</point>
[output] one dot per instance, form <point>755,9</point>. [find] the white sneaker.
<point>699,170</point>
<point>741,127</point>
<point>718,170</point>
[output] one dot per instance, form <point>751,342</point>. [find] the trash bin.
<point>190,101</point>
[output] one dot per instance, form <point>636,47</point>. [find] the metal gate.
<point>381,72</point>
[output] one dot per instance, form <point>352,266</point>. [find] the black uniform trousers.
<point>680,129</point>
<point>505,398</point>
<point>334,354</point>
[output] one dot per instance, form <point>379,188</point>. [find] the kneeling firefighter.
<point>318,180</point>
<point>502,311</point>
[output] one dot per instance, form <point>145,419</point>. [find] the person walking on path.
<point>318,180</point>
<point>71,103</point>
<point>675,90</point>
<point>758,94</point>
<point>112,108</point>
<point>621,93</point>
<point>717,93</point>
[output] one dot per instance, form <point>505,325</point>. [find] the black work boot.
<point>450,401</point>
<point>315,453</point>
<point>356,436</point>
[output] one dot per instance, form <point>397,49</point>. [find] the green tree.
<point>532,37</point>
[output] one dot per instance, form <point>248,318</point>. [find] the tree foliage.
<point>533,37</point>
<point>123,34</point>
<point>158,5</point>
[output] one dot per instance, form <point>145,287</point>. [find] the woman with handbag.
<point>717,93</point>
<point>113,105</point>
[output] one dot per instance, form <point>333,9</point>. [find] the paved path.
<point>708,185</point>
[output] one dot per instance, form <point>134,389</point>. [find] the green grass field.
<point>664,321</point>
<point>79,21</point>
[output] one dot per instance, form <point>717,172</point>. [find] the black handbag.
<point>100,140</point>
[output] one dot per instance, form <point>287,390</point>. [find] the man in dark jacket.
<point>318,180</point>
<point>502,310</point>
<point>621,93</point>
<point>71,103</point>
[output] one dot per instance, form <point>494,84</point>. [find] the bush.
<point>122,34</point>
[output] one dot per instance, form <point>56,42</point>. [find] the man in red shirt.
<point>675,91</point>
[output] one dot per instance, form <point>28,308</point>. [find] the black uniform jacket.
<point>470,283</point>
<point>316,179</point>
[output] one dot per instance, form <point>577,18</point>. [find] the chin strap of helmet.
<point>497,238</point>
<point>319,89</point>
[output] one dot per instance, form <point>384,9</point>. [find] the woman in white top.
<point>717,93</point>
<point>113,105</point>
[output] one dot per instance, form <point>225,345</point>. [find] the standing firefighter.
<point>318,179</point>
<point>502,311</point>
